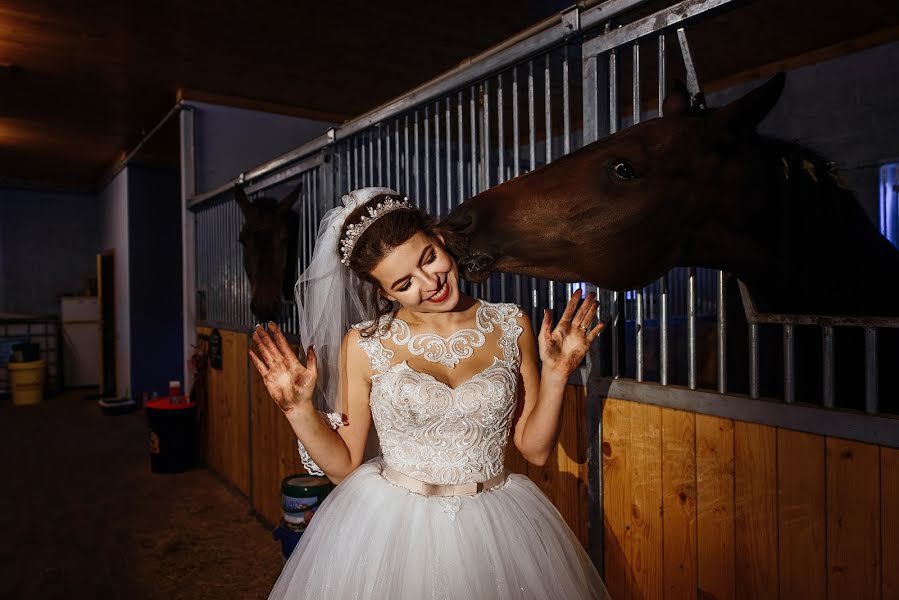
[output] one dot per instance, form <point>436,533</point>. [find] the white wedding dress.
<point>374,539</point>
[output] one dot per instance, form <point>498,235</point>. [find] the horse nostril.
<point>479,262</point>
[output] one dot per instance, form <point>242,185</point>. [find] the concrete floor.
<point>82,516</point>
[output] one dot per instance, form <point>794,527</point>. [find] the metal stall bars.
<point>220,275</point>
<point>699,293</point>
<point>457,144</point>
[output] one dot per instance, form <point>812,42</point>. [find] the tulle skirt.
<point>373,539</point>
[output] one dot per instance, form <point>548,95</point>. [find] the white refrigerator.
<point>80,316</point>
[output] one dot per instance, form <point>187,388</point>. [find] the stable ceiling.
<point>81,82</point>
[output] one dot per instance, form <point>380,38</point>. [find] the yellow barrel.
<point>27,379</point>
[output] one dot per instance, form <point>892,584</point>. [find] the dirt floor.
<point>82,516</point>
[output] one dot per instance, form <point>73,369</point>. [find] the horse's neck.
<point>809,242</point>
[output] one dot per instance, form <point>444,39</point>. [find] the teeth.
<point>441,292</point>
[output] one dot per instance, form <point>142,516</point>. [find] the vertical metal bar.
<point>427,156</point>
<point>396,164</point>
<point>663,329</point>
<point>662,75</point>
<point>753,360</point>
<point>547,99</point>
<point>486,287</point>
<point>566,110</point>
<point>691,328</point>
<point>304,223</point>
<point>189,226</point>
<point>547,112</point>
<point>475,174</point>
<point>356,180</point>
<point>473,123</point>
<point>229,263</point>
<point>635,94</point>
<point>500,160</point>
<point>635,110</point>
<point>310,223</point>
<point>639,332</point>
<point>871,404</point>
<point>416,167</point>
<point>485,127</point>
<point>692,79</point>
<point>722,334</point>
<point>590,108</point>
<point>243,282</point>
<point>408,168</point>
<point>449,155</point>
<point>532,154</point>
<point>500,132</point>
<point>376,132</point>
<point>387,169</point>
<point>437,169</point>
<point>827,368</point>
<point>215,311</point>
<point>461,143</point>
<point>615,318</point>
<point>613,90</point>
<point>532,127</point>
<point>789,364</point>
<point>516,139</point>
<point>369,181</point>
<point>345,172</point>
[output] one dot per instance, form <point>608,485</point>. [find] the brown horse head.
<point>693,188</point>
<point>269,240</point>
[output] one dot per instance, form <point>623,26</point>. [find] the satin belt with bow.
<point>435,489</point>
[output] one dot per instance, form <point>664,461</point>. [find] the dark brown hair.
<point>376,242</point>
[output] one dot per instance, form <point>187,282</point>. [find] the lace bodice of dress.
<point>429,430</point>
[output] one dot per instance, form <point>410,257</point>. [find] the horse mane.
<point>807,173</point>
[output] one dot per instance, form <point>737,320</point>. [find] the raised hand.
<point>563,348</point>
<point>289,383</point>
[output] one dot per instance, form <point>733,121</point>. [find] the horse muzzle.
<point>477,267</point>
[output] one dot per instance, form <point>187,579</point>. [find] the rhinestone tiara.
<point>354,230</point>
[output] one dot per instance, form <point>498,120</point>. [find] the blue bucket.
<point>289,539</point>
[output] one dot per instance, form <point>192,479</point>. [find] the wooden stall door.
<point>705,507</point>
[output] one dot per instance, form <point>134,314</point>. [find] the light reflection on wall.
<point>889,202</point>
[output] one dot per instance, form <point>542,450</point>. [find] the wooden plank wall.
<point>227,417</point>
<point>705,507</point>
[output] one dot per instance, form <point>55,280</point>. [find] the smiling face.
<point>420,275</point>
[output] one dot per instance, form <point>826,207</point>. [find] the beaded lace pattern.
<point>434,432</point>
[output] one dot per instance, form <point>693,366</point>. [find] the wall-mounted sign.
<point>215,350</point>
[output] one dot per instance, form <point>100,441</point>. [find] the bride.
<point>444,378</point>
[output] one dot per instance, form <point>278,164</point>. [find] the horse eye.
<point>624,170</point>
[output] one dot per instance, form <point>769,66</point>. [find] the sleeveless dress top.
<point>434,432</point>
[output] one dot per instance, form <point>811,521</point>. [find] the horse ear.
<point>677,102</point>
<point>242,199</point>
<point>289,200</point>
<point>744,114</point>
